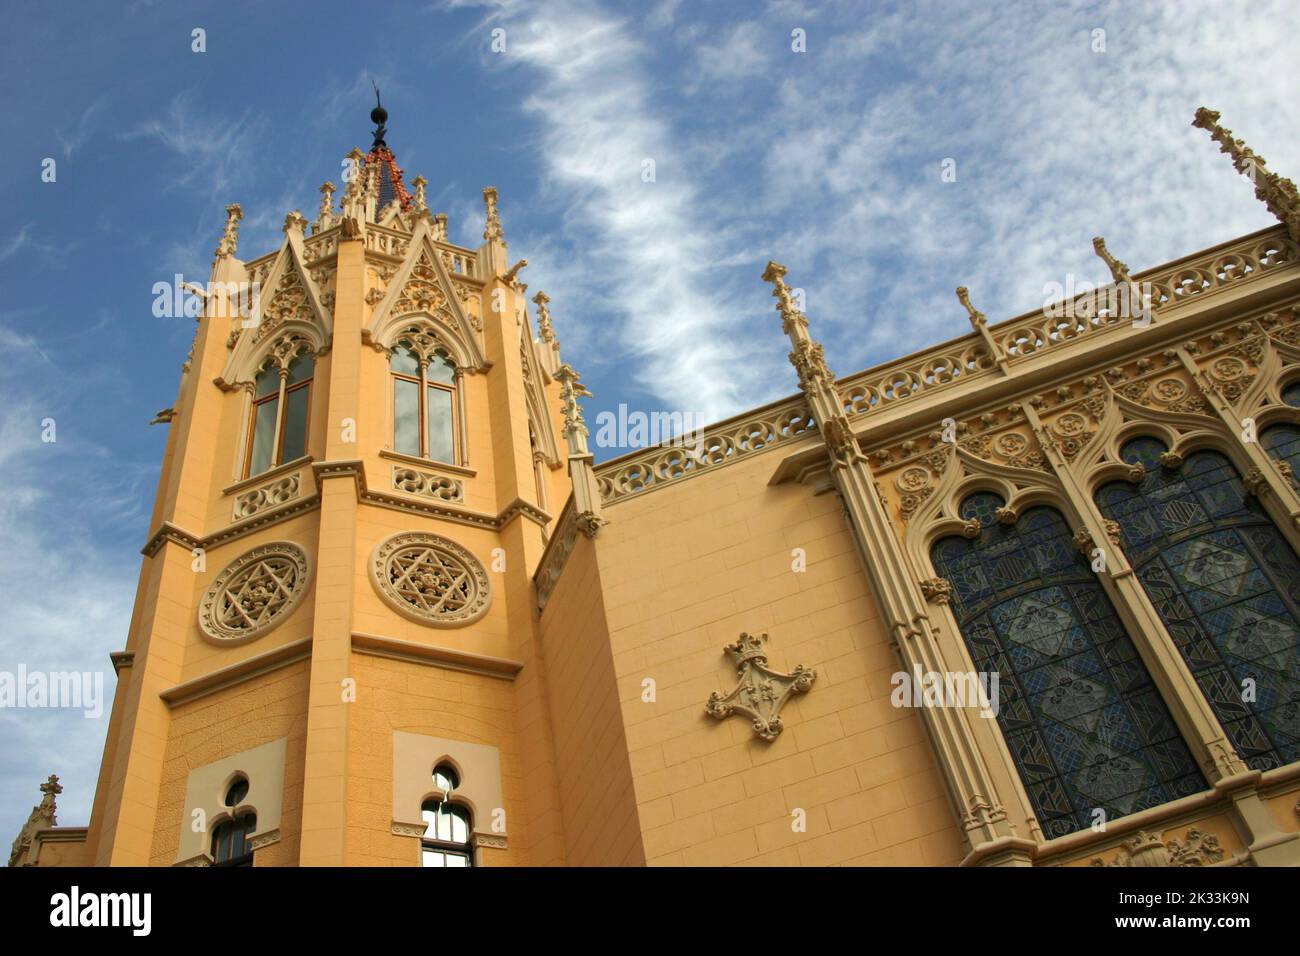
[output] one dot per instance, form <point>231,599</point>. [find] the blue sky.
<point>828,160</point>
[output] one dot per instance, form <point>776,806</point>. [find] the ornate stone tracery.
<point>254,593</point>
<point>430,579</point>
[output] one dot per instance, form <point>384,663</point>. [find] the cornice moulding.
<point>237,673</point>
<point>448,658</point>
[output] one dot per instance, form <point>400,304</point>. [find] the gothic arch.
<point>291,303</point>
<point>422,289</point>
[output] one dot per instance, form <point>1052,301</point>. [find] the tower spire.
<point>381,159</point>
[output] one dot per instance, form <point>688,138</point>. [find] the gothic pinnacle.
<point>977,318</point>
<point>1118,270</point>
<point>1278,193</point>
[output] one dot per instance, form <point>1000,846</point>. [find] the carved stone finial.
<point>421,193</point>
<point>440,227</point>
<point>42,817</point>
<point>295,222</point>
<point>977,318</point>
<point>1118,270</point>
<point>761,692</point>
<point>571,389</point>
<point>230,237</point>
<point>325,215</point>
<point>492,232</point>
<point>791,316</point>
<point>544,326</point>
<point>1278,193</point>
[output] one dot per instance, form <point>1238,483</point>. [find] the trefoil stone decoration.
<point>761,692</point>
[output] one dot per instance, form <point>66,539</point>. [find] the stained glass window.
<point>1283,443</point>
<point>1226,584</point>
<point>1291,394</point>
<point>1084,723</point>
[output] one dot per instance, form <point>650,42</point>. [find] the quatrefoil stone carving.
<point>760,692</point>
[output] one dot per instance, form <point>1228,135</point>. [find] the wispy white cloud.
<point>25,239</point>
<point>645,237</point>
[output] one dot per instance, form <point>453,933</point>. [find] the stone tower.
<point>365,459</point>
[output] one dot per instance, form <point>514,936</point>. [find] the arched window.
<point>1283,441</point>
<point>230,838</point>
<point>446,840</point>
<point>1227,586</point>
<point>424,400</point>
<point>1086,727</point>
<point>281,408</point>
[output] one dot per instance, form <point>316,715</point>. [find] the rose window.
<point>430,579</point>
<point>254,593</point>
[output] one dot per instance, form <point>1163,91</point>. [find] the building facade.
<point>1028,597</point>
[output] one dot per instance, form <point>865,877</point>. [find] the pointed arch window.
<point>277,428</point>
<point>1226,585</point>
<point>230,838</point>
<point>1083,721</point>
<point>424,400</point>
<point>446,841</point>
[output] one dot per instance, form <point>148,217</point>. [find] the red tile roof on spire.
<point>391,185</point>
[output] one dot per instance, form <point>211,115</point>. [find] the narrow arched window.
<point>230,838</point>
<point>1083,721</point>
<point>1227,587</point>
<point>424,401</point>
<point>446,840</point>
<point>281,410</point>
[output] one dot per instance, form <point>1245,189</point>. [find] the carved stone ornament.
<point>254,593</point>
<point>937,590</point>
<point>761,692</point>
<point>430,579</point>
<point>1150,849</point>
<point>42,817</point>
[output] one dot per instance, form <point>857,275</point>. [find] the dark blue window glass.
<point>1283,443</point>
<point>1083,721</point>
<point>1227,586</point>
<point>1291,394</point>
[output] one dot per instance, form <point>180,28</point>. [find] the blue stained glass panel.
<point>1226,585</point>
<point>1082,720</point>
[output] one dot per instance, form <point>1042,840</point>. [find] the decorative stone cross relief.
<point>761,692</point>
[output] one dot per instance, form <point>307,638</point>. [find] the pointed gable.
<point>289,299</point>
<point>422,287</point>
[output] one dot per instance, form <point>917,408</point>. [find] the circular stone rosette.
<point>254,593</point>
<point>430,579</point>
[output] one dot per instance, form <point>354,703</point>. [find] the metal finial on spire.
<point>378,116</point>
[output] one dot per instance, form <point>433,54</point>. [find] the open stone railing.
<point>1088,314</point>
